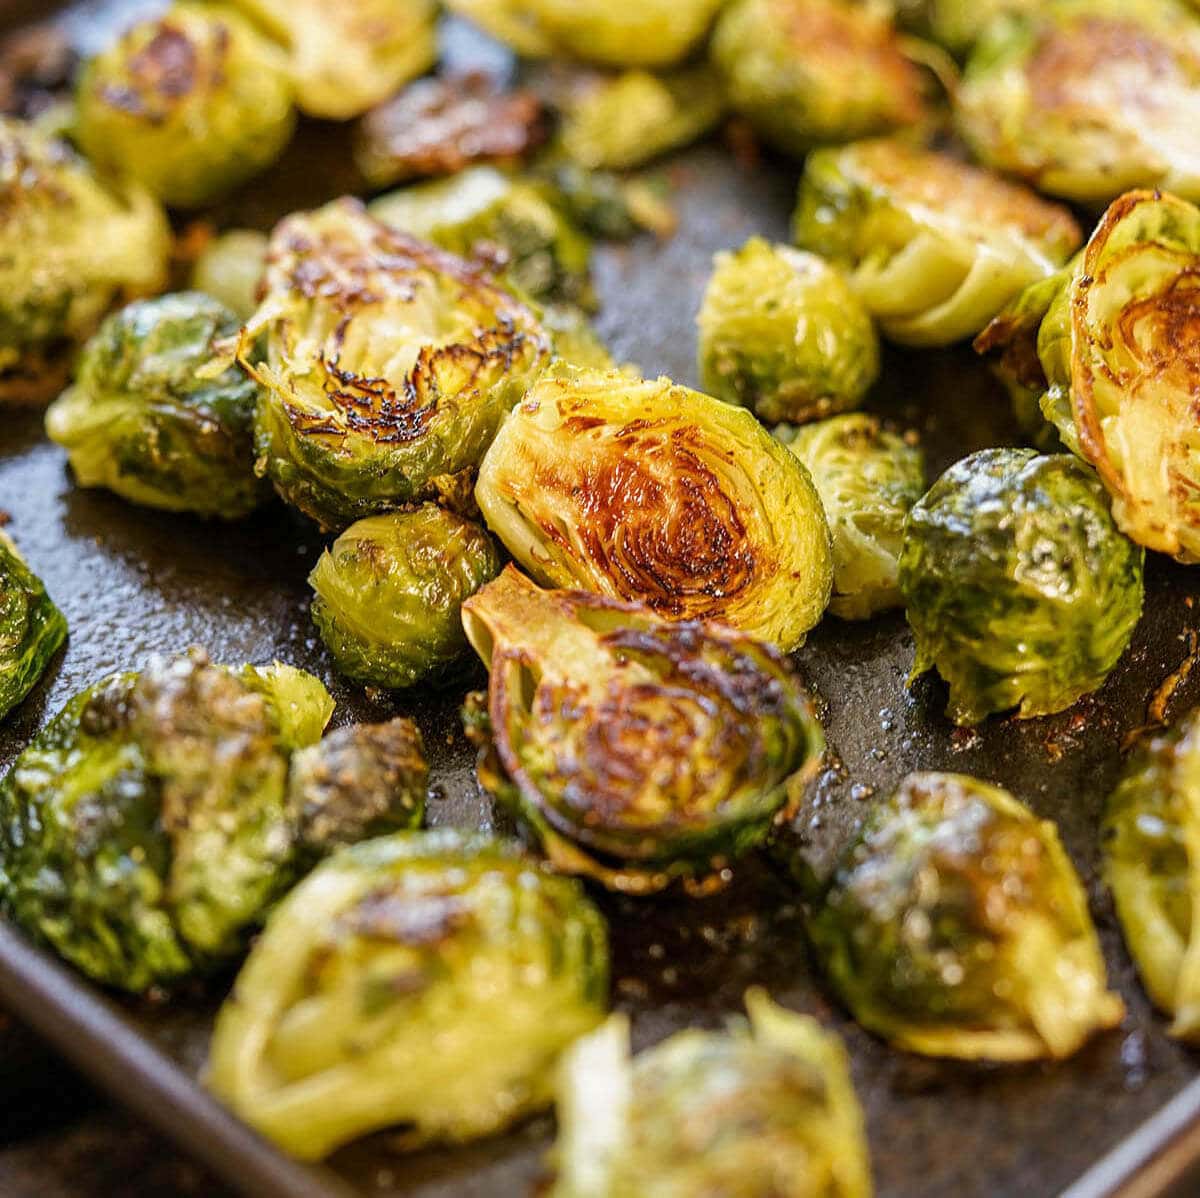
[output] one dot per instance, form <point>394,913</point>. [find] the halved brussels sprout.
<point>148,825</point>
<point>428,980</point>
<point>634,750</point>
<point>346,56</point>
<point>934,247</point>
<point>644,490</point>
<point>1020,589</point>
<point>1152,864</point>
<point>810,72</point>
<point>190,104</point>
<point>767,1108</point>
<point>1088,98</point>
<point>388,366</point>
<point>622,121</point>
<point>484,213</point>
<point>230,269</point>
<point>782,332</point>
<point>634,33</point>
<point>145,420</point>
<point>32,629</point>
<point>956,926</point>
<point>389,590</point>
<point>69,247</point>
<point>868,480</point>
<point>957,24</point>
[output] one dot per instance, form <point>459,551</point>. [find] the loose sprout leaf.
<point>32,629</point>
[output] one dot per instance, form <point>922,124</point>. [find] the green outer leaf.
<point>32,629</point>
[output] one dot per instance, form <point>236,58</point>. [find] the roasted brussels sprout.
<point>810,72</point>
<point>956,926</point>
<point>482,212</point>
<point>1020,589</point>
<point>147,826</point>
<point>634,33</point>
<point>634,750</point>
<point>934,247</point>
<point>190,104</point>
<point>868,480</point>
<point>32,629</point>
<point>1088,98</point>
<point>625,120</point>
<point>389,590</point>
<point>957,24</point>
<point>1110,345</point>
<point>782,332</point>
<point>388,365</point>
<point>69,247</point>
<point>144,419</point>
<point>650,492</point>
<point>1152,864</point>
<point>230,268</point>
<point>762,1109</point>
<point>346,56</point>
<point>608,205</point>
<point>429,980</point>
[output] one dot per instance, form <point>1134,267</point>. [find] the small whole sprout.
<point>648,492</point>
<point>618,33</point>
<point>1110,346</point>
<point>345,56</point>
<point>389,591</point>
<point>32,629</point>
<point>957,24</point>
<point>868,479</point>
<point>807,73</point>
<point>766,1107</point>
<point>190,104</point>
<point>956,926</point>
<point>1088,98</point>
<point>388,365</point>
<point>148,825</point>
<point>483,213</point>
<point>632,749</point>
<point>934,247</point>
<point>398,944</point>
<point>1020,589</point>
<point>147,418</point>
<point>782,332</point>
<point>230,269</point>
<point>1151,845</point>
<point>70,246</point>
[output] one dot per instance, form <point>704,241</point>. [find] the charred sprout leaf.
<point>622,121</point>
<point>868,480</point>
<point>782,332</point>
<point>634,750</point>
<point>388,366</point>
<point>389,590</point>
<point>724,523</point>
<point>442,126</point>
<point>230,269</point>
<point>810,72</point>
<point>426,980</point>
<point>190,104</point>
<point>956,926</point>
<point>147,827</point>
<point>1088,98</point>
<point>32,629</point>
<point>145,420</point>
<point>1020,589</point>
<point>362,781</point>
<point>346,56</point>
<point>69,247</point>
<point>934,247</point>
<point>633,33</point>
<point>1152,863</point>
<point>957,24</point>
<point>485,214</point>
<point>763,1108</point>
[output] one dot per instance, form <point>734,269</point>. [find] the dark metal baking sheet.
<point>134,582</point>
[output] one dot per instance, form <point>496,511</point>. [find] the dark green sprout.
<point>32,629</point>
